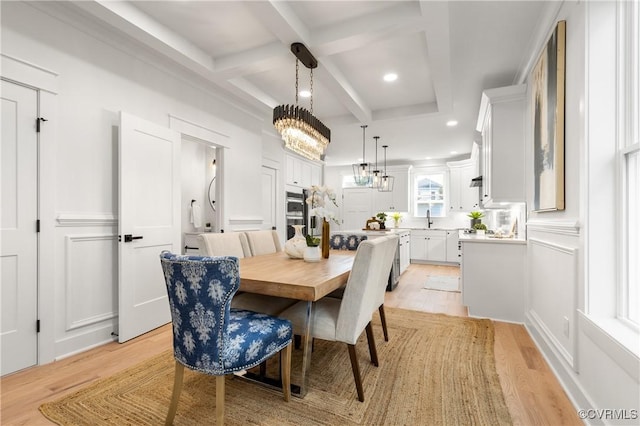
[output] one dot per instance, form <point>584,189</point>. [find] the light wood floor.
<point>532,392</point>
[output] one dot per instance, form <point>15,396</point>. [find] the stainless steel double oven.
<point>297,212</point>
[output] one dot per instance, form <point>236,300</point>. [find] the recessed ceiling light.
<point>427,158</point>
<point>454,152</point>
<point>390,76</point>
<point>305,94</point>
<point>452,123</point>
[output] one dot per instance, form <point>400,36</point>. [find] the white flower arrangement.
<point>317,200</point>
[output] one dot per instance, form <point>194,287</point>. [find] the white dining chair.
<point>263,242</point>
<point>344,320</point>
<point>351,242</point>
<point>224,244</point>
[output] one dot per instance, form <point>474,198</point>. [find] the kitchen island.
<point>403,255</point>
<point>492,276</point>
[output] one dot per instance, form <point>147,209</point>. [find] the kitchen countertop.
<point>364,232</point>
<point>474,238</point>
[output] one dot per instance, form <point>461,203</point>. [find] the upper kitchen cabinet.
<point>396,200</point>
<point>302,173</point>
<point>462,197</point>
<point>502,123</point>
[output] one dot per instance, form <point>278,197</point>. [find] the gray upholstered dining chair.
<point>344,320</point>
<point>208,335</point>
<point>351,242</point>
<point>263,242</point>
<point>224,244</point>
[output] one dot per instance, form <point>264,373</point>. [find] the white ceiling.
<point>445,54</point>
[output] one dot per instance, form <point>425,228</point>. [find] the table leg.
<point>307,349</point>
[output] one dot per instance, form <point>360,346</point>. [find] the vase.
<point>312,254</point>
<point>295,246</point>
<point>325,239</point>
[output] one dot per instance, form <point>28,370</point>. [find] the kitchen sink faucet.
<point>429,222</point>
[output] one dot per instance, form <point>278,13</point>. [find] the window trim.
<point>417,173</point>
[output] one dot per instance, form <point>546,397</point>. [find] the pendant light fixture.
<point>301,131</point>
<point>386,181</point>
<point>376,175</point>
<point>362,171</point>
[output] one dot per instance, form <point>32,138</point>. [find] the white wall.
<point>594,370</point>
<point>98,74</point>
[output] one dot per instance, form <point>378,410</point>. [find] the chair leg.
<point>372,345</point>
<point>220,400</point>
<point>383,320</point>
<point>285,366</point>
<point>177,389</point>
<point>356,371</point>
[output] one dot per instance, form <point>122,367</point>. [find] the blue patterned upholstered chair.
<point>209,336</point>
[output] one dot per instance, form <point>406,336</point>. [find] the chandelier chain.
<point>297,69</point>
<point>311,91</point>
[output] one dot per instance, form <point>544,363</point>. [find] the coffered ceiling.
<point>444,53</point>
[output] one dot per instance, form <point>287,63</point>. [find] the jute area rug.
<point>435,370</point>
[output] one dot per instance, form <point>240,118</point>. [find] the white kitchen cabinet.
<point>404,247</point>
<point>429,245</point>
<point>493,279</point>
<point>302,173</point>
<point>502,123</point>
<point>396,200</point>
<point>462,197</point>
<point>453,254</point>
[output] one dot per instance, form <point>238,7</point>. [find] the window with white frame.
<point>629,162</point>
<point>429,194</point>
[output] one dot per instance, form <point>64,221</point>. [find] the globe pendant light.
<point>362,171</point>
<point>386,181</point>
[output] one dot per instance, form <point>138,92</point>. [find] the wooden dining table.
<point>278,275</point>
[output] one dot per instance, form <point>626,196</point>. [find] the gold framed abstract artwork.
<point>548,80</point>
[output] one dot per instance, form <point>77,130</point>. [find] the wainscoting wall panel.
<point>91,271</point>
<point>552,290</point>
<point>87,284</point>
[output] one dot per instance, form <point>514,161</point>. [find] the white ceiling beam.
<point>282,21</point>
<point>361,31</point>
<point>436,15</point>
<point>137,24</point>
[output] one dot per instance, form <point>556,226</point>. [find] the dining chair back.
<point>236,244</point>
<point>263,242</point>
<point>208,335</point>
<point>365,287</point>
<point>224,244</point>
<point>345,319</point>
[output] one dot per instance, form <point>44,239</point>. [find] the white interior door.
<point>149,222</point>
<point>269,198</point>
<point>19,240</point>
<point>356,208</point>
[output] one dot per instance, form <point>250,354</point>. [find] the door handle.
<point>129,238</point>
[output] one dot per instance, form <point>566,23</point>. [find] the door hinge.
<point>38,120</point>
<point>37,225</point>
<point>37,326</point>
